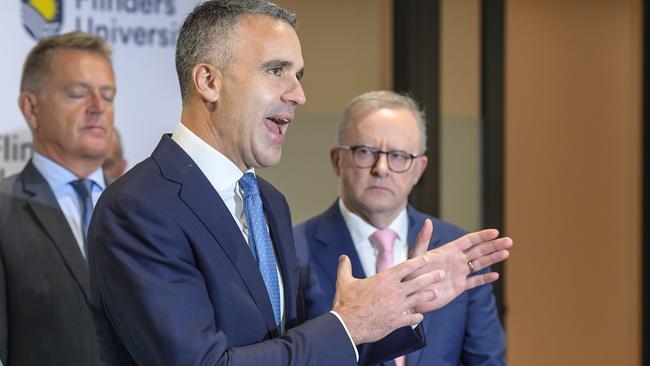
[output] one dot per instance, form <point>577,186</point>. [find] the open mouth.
<point>279,125</point>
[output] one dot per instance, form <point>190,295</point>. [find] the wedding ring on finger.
<point>471,266</point>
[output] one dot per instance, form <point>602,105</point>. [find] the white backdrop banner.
<point>143,35</point>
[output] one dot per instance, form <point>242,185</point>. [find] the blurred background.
<point>536,112</point>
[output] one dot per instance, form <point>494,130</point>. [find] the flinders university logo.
<point>42,18</point>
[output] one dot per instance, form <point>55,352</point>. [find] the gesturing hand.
<point>469,253</point>
<point>373,307</point>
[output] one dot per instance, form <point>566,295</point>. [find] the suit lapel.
<point>201,198</point>
<point>282,239</point>
<point>333,239</point>
<point>46,211</point>
<point>416,221</point>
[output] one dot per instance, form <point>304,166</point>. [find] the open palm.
<point>481,248</point>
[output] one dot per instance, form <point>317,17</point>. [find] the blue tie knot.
<point>248,184</point>
<point>82,187</point>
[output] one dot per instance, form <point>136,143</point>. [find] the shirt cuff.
<point>356,352</point>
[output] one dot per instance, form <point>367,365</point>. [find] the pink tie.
<point>384,241</point>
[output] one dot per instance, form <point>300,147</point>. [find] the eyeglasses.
<point>366,157</point>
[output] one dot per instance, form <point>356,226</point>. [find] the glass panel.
<point>460,123</point>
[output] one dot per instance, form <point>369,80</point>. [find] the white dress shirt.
<point>59,178</point>
<point>360,231</point>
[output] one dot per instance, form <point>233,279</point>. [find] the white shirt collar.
<point>222,173</point>
<point>360,230</point>
<point>58,176</point>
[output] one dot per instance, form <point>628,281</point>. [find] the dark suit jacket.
<point>465,332</point>
<point>177,281</point>
<point>45,317</point>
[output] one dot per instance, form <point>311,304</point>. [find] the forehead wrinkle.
<point>265,41</point>
<point>378,131</point>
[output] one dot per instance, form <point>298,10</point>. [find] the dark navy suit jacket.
<point>45,317</point>
<point>465,332</point>
<point>173,274</point>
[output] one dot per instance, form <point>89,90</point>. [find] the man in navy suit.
<point>192,259</point>
<point>379,158</point>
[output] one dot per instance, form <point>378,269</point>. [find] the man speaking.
<point>191,254</point>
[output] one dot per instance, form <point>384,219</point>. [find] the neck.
<point>201,122</point>
<point>81,168</point>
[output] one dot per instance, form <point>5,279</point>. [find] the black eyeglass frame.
<point>376,152</point>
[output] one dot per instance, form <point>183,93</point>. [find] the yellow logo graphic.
<point>47,8</point>
<point>42,18</point>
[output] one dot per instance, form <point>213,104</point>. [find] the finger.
<point>422,297</point>
<point>402,270</point>
<point>423,239</point>
<point>344,270</point>
<point>469,240</point>
<point>481,279</point>
<point>489,247</point>
<point>489,259</point>
<point>409,320</point>
<point>423,281</point>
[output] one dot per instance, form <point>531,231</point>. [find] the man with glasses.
<point>379,158</point>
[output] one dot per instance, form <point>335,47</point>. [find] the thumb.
<point>344,271</point>
<point>422,241</point>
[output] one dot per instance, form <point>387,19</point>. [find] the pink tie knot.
<point>384,241</point>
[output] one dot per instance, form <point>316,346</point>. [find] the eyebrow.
<point>83,84</point>
<point>281,64</point>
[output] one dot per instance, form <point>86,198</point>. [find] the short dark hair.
<point>39,58</point>
<point>208,34</point>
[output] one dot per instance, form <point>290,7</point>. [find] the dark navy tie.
<point>260,241</point>
<point>83,187</point>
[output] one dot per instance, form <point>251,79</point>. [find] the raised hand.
<point>458,259</point>
<point>373,307</point>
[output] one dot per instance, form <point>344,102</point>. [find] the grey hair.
<point>369,102</point>
<point>208,34</point>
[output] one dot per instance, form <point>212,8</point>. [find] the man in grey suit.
<point>66,97</point>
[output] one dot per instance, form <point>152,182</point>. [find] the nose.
<point>295,95</point>
<point>97,103</point>
<point>380,168</point>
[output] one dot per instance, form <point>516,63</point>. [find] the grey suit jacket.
<point>45,318</point>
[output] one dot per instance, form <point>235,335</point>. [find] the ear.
<point>27,102</point>
<point>420,164</point>
<point>335,160</point>
<point>207,82</point>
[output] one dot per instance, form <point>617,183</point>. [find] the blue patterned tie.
<point>260,241</point>
<point>83,187</point>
